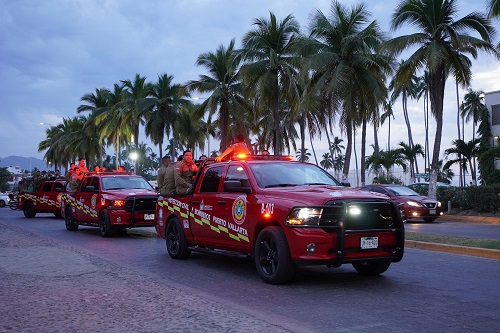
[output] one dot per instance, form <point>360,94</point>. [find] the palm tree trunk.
<point>461,179</point>
<point>314,151</point>
<point>363,152</point>
<point>347,161</point>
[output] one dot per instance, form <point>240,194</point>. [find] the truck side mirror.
<point>235,186</point>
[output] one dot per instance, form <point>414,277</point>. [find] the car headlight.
<point>414,204</point>
<point>304,216</point>
<point>439,203</point>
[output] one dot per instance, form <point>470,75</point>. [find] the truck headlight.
<point>304,216</point>
<point>117,203</point>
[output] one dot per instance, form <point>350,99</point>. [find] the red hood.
<point>320,194</point>
<point>125,193</point>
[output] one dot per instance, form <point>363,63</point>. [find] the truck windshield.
<point>282,174</point>
<point>124,182</point>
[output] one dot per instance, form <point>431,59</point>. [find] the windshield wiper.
<point>114,188</point>
<point>318,184</point>
<point>280,185</point>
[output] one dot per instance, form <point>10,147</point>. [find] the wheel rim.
<point>29,209</point>
<point>102,225</point>
<point>68,218</point>
<point>268,256</point>
<point>173,238</point>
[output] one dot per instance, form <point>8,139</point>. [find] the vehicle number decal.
<point>267,208</point>
<point>239,209</point>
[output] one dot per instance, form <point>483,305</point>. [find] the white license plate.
<point>149,217</point>
<point>369,242</point>
<point>432,211</point>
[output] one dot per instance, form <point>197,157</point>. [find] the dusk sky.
<point>54,51</point>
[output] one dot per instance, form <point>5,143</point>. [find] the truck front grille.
<point>141,204</point>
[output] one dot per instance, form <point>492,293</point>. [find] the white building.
<point>492,102</point>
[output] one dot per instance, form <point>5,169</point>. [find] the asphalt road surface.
<point>128,283</point>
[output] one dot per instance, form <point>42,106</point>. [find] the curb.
<point>467,218</point>
<point>470,251</point>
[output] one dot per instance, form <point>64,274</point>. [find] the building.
<point>492,102</point>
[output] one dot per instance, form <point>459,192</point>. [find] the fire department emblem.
<point>59,197</point>
<point>94,200</point>
<point>239,210</point>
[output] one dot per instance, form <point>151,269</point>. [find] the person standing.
<point>165,162</point>
<point>185,172</point>
<point>82,166</point>
<point>238,147</point>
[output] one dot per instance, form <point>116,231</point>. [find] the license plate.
<point>432,211</point>
<point>369,242</point>
<point>149,217</point>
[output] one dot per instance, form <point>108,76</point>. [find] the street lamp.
<point>133,156</point>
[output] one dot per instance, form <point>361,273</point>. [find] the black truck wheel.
<point>272,256</point>
<point>371,268</point>
<point>177,246</point>
<point>105,226</point>
<point>69,220</point>
<point>29,210</point>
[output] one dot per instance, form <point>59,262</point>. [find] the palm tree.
<point>410,154</point>
<point>327,161</point>
<point>388,113</point>
<point>347,71</point>
<point>135,105</point>
<point>494,8</point>
<point>114,124</point>
<point>465,152</point>
<point>303,155</point>
<point>473,108</point>
<point>166,99</point>
<point>269,52</point>
<point>385,159</point>
<point>442,46</point>
<point>223,83</point>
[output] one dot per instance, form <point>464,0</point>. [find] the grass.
<point>454,240</point>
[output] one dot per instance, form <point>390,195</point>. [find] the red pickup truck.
<point>283,213</point>
<point>45,199</point>
<point>110,201</point>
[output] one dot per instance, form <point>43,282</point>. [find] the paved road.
<point>52,280</point>
<point>467,229</point>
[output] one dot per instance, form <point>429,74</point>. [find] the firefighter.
<point>238,147</point>
<point>165,162</point>
<point>185,172</point>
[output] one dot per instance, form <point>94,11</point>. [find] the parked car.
<point>415,206</point>
<point>4,199</point>
<point>426,185</point>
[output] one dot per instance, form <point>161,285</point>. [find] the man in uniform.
<point>165,162</point>
<point>82,166</point>
<point>185,172</point>
<point>238,147</point>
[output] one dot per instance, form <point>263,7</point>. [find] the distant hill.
<point>23,162</point>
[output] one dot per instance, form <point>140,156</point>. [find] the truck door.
<point>55,194</point>
<point>44,204</point>
<point>87,198</point>
<point>204,205</point>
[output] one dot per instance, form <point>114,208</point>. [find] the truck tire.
<point>105,226</point>
<point>69,220</point>
<point>29,210</point>
<point>175,239</point>
<point>272,256</point>
<point>371,268</point>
